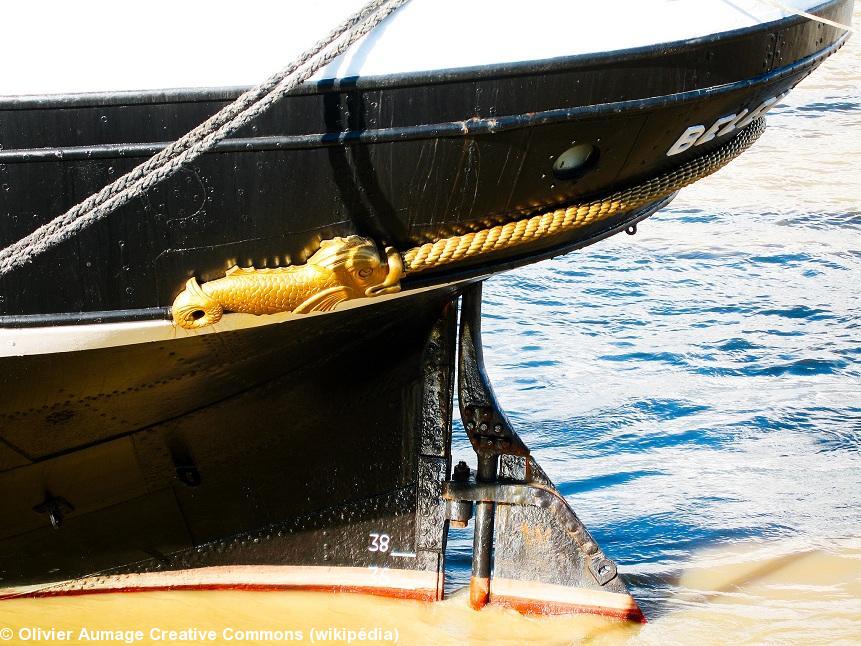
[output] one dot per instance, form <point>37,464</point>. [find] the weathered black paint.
<point>405,158</point>
<point>567,554</point>
<point>347,432</point>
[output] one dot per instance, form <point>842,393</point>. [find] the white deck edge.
<point>24,341</point>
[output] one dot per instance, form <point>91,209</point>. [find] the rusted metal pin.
<point>482,544</point>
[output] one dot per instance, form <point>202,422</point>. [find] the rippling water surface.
<point>695,392</point>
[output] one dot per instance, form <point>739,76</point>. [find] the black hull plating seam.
<point>288,456</point>
<point>634,54</point>
<point>465,128</point>
<point>102,394</point>
<point>86,318</point>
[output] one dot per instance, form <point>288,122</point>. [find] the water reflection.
<point>698,386</point>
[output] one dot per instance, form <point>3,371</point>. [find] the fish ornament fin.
<point>324,301</point>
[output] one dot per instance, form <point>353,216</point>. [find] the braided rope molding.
<point>563,220</point>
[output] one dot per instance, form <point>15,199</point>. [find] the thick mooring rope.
<point>810,16</point>
<point>522,232</point>
<point>198,141</point>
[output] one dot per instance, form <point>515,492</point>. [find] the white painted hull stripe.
<point>239,576</point>
<point>531,591</point>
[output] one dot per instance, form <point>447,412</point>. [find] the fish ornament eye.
<point>364,269</point>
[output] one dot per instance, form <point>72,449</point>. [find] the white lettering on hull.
<point>697,134</point>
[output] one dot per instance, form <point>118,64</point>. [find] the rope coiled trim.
<point>562,220</point>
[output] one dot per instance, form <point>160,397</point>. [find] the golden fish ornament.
<point>343,268</point>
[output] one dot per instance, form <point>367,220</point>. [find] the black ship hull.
<point>324,474</point>
<point>312,451</point>
<point>402,159</point>
<point>288,460</point>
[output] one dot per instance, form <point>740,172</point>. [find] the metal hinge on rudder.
<point>530,550</point>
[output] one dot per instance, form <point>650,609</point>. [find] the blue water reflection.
<point>700,383</point>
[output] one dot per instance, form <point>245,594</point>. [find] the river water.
<point>695,392</point>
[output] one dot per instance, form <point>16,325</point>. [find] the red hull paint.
<point>479,592</point>
<point>393,593</point>
<point>522,605</point>
<point>538,607</point>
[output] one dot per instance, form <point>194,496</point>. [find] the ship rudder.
<point>530,551</point>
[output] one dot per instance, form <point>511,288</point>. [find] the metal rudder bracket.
<point>530,550</point>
